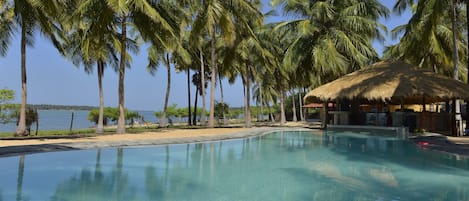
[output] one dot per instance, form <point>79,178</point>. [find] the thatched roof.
<point>391,82</point>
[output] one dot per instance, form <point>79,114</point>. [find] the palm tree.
<point>442,45</point>
<point>165,43</point>
<point>141,13</point>
<point>27,16</point>
<point>91,37</point>
<point>332,37</point>
<point>276,74</point>
<point>429,32</point>
<point>244,56</point>
<point>217,17</point>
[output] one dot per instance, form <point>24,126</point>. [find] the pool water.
<point>300,165</point>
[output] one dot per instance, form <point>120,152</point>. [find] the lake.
<point>60,120</point>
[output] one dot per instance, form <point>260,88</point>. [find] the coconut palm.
<point>332,37</point>
<point>215,19</point>
<point>167,46</point>
<point>436,32</point>
<point>427,40</point>
<point>91,38</point>
<point>138,14</point>
<point>277,77</point>
<point>27,17</point>
<point>236,59</point>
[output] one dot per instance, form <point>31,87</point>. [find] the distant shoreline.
<point>61,107</point>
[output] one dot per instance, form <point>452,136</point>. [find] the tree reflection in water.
<point>281,166</point>
<point>19,184</point>
<point>97,185</point>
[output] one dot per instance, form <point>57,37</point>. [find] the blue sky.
<point>53,79</point>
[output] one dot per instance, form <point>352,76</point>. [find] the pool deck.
<point>172,136</point>
<point>14,147</point>
<point>453,145</point>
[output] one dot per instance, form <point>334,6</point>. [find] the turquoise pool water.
<point>279,166</point>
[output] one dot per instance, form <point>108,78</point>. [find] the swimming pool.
<point>299,165</point>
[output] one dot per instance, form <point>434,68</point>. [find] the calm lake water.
<point>60,120</point>
<point>300,166</point>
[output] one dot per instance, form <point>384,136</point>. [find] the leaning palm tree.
<point>167,46</point>
<point>27,17</point>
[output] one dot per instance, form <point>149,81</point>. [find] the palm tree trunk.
<point>21,129</point>
<point>37,123</point>
<point>282,108</point>
<point>456,69</point>
<point>247,117</point>
<point>294,107</point>
<point>189,122</point>
<point>222,99</point>
<point>262,102</point>
<point>100,126</point>
<point>194,120</point>
<point>467,28</point>
<point>213,81</point>
<point>202,88</point>
<point>121,120</point>
<point>300,105</point>
<point>166,99</point>
<point>271,116</point>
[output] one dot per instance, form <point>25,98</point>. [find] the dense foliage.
<point>112,114</point>
<point>6,96</point>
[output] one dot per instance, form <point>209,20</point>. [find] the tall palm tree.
<point>457,106</point>
<point>216,19</point>
<point>166,43</point>
<point>243,56</point>
<point>92,35</point>
<point>138,14</point>
<point>27,17</point>
<point>276,75</point>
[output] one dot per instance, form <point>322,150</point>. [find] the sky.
<point>52,79</point>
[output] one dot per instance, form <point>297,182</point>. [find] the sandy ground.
<point>164,134</point>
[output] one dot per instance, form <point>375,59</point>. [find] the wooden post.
<point>325,119</point>
<point>71,122</point>
<point>422,118</point>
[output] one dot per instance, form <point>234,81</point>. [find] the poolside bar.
<point>393,94</point>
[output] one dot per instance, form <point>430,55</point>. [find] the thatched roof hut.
<point>391,82</point>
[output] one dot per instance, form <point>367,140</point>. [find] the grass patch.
<point>47,133</point>
<point>81,132</point>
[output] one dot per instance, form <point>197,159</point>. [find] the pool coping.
<point>69,146</point>
<point>437,142</point>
